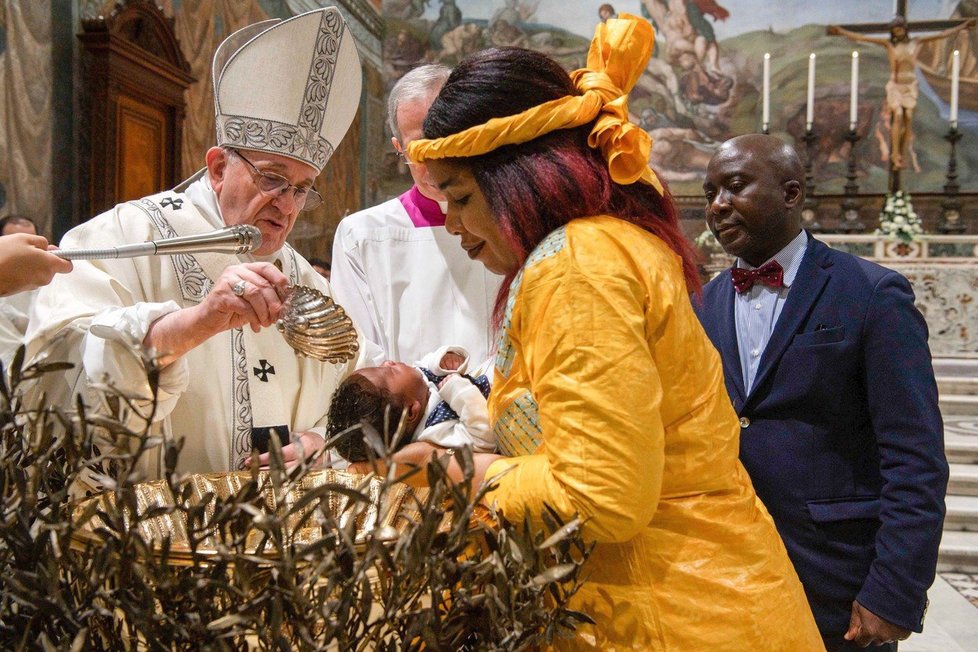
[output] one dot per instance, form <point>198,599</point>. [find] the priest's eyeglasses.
<point>403,157</point>
<point>275,185</point>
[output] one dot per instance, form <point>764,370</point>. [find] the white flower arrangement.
<point>898,221</point>
<point>707,241</point>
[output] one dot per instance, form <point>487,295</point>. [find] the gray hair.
<point>418,85</point>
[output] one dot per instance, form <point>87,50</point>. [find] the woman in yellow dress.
<point>608,399</point>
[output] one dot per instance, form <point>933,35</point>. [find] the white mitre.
<point>288,87</point>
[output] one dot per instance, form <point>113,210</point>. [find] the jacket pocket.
<point>823,336</point>
<point>856,508</point>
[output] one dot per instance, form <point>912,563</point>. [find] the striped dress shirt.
<point>757,310</point>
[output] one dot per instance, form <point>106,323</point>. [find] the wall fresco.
<point>703,83</point>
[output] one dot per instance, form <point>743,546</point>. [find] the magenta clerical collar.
<point>422,210</point>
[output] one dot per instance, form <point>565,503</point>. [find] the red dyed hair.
<point>536,187</point>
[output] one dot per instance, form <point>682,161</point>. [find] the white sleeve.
<point>348,282</point>
<point>118,299</point>
<point>369,354</point>
<point>472,428</point>
<point>108,353</point>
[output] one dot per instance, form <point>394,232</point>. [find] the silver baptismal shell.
<point>316,326</point>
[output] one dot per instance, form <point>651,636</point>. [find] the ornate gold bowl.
<point>389,508</point>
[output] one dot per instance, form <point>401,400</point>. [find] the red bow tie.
<point>771,274</point>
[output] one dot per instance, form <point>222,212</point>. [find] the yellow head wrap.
<point>619,52</point>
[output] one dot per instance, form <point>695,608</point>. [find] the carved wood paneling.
<point>142,148</point>
<point>137,76</point>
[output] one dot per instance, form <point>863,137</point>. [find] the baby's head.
<point>377,395</point>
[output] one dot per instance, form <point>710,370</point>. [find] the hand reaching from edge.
<point>25,263</point>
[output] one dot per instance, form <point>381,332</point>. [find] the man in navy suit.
<point>826,362</point>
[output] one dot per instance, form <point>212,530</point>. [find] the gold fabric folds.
<point>618,55</point>
<point>608,399</point>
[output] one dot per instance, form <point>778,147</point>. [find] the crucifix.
<point>901,88</point>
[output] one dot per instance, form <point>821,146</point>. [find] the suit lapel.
<point>727,336</point>
<point>809,283</point>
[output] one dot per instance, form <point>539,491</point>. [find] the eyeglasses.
<point>275,185</point>
<point>403,158</point>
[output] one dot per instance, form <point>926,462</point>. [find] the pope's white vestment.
<point>215,394</point>
<point>14,313</point>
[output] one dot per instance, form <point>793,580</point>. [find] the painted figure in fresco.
<point>449,17</point>
<point>689,51</point>
<point>685,71</point>
<point>901,88</point>
<point>660,79</point>
<point>403,52</point>
<point>509,12</point>
<point>706,40</point>
<point>678,153</point>
<point>461,42</point>
<point>506,24</point>
<point>405,9</point>
<point>700,85</point>
<point>503,33</point>
<point>683,27</point>
<point>606,11</point>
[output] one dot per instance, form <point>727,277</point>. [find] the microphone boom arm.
<point>237,239</point>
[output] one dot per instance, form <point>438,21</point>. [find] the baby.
<point>442,405</point>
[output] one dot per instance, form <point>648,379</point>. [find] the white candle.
<point>810,112</point>
<point>955,75</point>
<point>766,104</point>
<point>854,93</point>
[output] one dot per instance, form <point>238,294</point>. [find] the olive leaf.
<point>280,562</point>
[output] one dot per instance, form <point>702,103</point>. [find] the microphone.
<point>237,239</point>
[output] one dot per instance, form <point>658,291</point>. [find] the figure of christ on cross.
<point>901,88</point>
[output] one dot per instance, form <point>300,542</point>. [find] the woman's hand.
<point>414,455</point>
<point>26,264</point>
<point>304,445</point>
<point>419,454</point>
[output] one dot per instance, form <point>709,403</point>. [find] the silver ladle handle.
<point>312,323</point>
<point>237,239</point>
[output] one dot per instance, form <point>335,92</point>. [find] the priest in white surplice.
<point>285,95</point>
<point>403,278</point>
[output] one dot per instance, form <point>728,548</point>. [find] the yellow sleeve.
<point>584,338</point>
